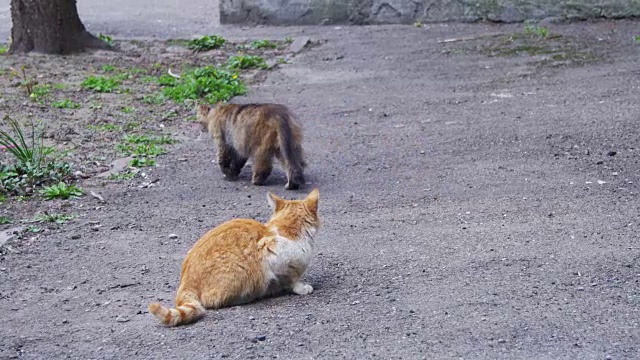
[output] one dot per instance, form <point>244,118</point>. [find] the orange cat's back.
<point>214,261</point>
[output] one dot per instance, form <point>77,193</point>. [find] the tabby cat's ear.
<point>275,202</point>
<point>204,108</point>
<point>312,201</point>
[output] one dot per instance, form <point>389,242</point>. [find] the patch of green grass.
<point>131,125</point>
<point>104,127</point>
<point>237,62</point>
<point>139,162</point>
<point>207,42</point>
<point>59,86</point>
<point>637,38</point>
<point>101,84</point>
<point>166,80</point>
<point>66,104</point>
<point>4,220</point>
<point>54,218</point>
<point>122,176</point>
<point>179,42</point>
<point>263,44</point>
<point>61,191</point>
<point>417,24</point>
<point>155,99</point>
<point>208,83</point>
<point>33,229</point>
<point>108,68</point>
<point>288,40</point>
<point>149,139</point>
<point>40,91</point>
<point>34,165</point>
<point>3,198</point>
<point>128,109</point>
<point>532,29</point>
<point>3,50</point>
<point>106,38</point>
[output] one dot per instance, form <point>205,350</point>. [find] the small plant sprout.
<point>106,38</point>
<point>66,104</point>
<point>108,68</point>
<point>417,24</point>
<point>263,44</point>
<point>4,220</point>
<point>61,191</point>
<point>101,84</point>
<point>246,62</point>
<point>207,42</point>
<point>54,218</point>
<point>532,29</point>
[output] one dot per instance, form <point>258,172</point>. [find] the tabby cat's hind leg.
<point>261,169</point>
<point>230,162</point>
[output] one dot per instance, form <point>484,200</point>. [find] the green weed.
<point>237,62</point>
<point>33,229</point>
<point>4,220</point>
<point>207,42</point>
<point>3,50</point>
<point>156,99</point>
<point>35,165</point>
<point>40,91</point>
<point>263,44</point>
<point>128,109</point>
<point>146,139</point>
<point>104,127</point>
<point>54,218</point>
<point>108,68</point>
<point>208,83</point>
<point>101,84</point>
<point>532,29</point>
<point>288,40</point>
<point>61,191</point>
<point>66,104</point>
<point>106,38</point>
<point>637,38</point>
<point>122,176</point>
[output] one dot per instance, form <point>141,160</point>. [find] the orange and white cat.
<point>243,260</point>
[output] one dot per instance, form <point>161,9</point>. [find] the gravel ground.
<point>474,206</point>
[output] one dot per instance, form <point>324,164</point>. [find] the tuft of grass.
<point>101,84</point>
<point>106,38</point>
<point>237,62</point>
<point>4,220</point>
<point>54,218</point>
<point>34,164</point>
<point>157,99</point>
<point>65,104</point>
<point>288,40</point>
<point>61,191</point>
<point>207,42</point>
<point>210,84</point>
<point>147,139</point>
<point>263,44</point>
<point>122,176</point>
<point>532,29</point>
<point>40,91</point>
<point>108,68</point>
<point>59,86</point>
<point>637,38</point>
<point>33,229</point>
<point>128,109</point>
<point>104,127</point>
<point>3,50</point>
<point>417,24</point>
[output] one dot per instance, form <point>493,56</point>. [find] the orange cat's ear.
<point>312,200</point>
<point>275,202</point>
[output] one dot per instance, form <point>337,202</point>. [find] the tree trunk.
<point>50,27</point>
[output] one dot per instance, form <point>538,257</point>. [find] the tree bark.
<point>50,27</point>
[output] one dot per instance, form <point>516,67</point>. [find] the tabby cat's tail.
<point>292,152</point>
<point>190,310</point>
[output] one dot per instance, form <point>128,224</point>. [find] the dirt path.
<point>472,206</point>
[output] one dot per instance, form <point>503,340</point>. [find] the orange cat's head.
<point>295,217</point>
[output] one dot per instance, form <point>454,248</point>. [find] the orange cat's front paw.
<point>302,288</point>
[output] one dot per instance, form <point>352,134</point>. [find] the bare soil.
<point>479,200</point>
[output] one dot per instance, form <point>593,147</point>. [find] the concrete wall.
<point>293,12</point>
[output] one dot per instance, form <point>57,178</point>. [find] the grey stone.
<point>9,234</point>
<point>116,166</point>
<point>298,44</point>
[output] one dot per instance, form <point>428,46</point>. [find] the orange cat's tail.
<point>187,312</point>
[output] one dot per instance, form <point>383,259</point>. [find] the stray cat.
<point>243,260</point>
<point>257,131</point>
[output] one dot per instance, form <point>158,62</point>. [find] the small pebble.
<point>261,337</point>
<point>612,153</point>
<point>173,236</point>
<point>76,236</point>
